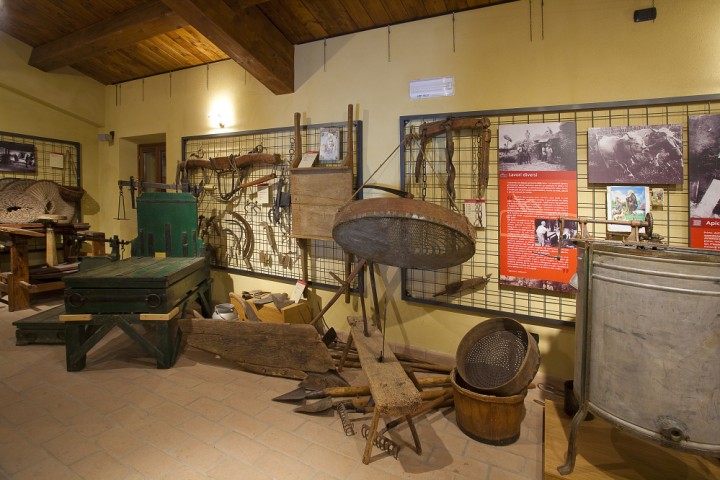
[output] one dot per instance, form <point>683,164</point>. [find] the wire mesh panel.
<point>36,158</point>
<point>245,213</point>
<point>467,286</point>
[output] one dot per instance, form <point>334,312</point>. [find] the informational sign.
<point>538,185</point>
<point>432,87</point>
<point>704,179</point>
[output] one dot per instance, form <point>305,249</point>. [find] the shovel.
<point>327,403</point>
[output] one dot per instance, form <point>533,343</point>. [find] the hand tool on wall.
<point>464,285</point>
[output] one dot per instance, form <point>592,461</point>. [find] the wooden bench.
<point>392,390</point>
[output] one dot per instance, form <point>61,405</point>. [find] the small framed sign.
<point>308,159</point>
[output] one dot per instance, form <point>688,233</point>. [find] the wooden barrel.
<point>487,418</point>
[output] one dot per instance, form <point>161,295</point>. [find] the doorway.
<point>151,165</point>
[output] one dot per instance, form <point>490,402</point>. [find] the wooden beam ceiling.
<point>246,36</point>
<point>132,26</point>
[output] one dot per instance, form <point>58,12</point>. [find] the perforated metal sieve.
<point>404,233</point>
<point>498,357</point>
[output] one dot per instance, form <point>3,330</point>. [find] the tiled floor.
<point>122,418</point>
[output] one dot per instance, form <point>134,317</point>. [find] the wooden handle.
<point>350,150</point>
<point>50,247</point>
<point>298,142</point>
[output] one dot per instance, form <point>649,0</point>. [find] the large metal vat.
<point>648,344</point>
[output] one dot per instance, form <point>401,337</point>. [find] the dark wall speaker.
<point>645,14</point>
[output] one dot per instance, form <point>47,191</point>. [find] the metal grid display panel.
<point>284,261</point>
<point>68,175</point>
<point>539,306</point>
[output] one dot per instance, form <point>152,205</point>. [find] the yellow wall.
<point>63,105</point>
<point>585,51</point>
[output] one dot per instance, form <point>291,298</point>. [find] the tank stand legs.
<point>569,465</point>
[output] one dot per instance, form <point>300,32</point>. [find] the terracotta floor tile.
<point>205,418</point>
<point>70,447</point>
<point>100,465</point>
<point>150,461</point>
<point>48,468</point>
<point>119,442</point>
<point>198,455</point>
<point>204,430</point>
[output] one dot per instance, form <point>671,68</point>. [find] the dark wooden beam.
<point>246,36</point>
<point>127,28</point>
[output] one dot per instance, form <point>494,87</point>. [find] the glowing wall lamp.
<point>216,120</point>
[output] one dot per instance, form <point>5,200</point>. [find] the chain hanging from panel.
<point>428,181</point>
<point>244,203</point>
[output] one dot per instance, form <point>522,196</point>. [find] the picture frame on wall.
<point>329,144</point>
<point>17,157</point>
<point>627,203</point>
<point>632,155</point>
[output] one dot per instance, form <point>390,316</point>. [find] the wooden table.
<point>146,290</point>
<point>16,282</point>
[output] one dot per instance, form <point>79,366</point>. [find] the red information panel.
<point>536,189</point>
<point>704,178</point>
<point>705,233</point>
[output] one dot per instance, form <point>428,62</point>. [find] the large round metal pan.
<point>404,233</point>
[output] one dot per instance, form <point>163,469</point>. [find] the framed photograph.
<point>329,145</point>
<point>625,204</point>
<point>17,157</point>
<point>550,146</point>
<point>650,154</point>
<point>704,168</point>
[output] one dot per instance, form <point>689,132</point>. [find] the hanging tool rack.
<point>244,202</point>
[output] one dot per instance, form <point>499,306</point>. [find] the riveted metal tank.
<point>648,344</point>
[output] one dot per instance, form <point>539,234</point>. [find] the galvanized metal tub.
<point>648,342</point>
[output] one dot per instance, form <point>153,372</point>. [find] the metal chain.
<point>478,173</point>
<point>424,179</point>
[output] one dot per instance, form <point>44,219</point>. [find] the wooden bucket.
<point>487,418</point>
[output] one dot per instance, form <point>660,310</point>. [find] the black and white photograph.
<point>548,233</point>
<point>650,154</point>
<point>704,167</point>
<point>537,146</point>
<point>17,157</point>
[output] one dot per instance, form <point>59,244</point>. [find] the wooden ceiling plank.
<point>296,22</point>
<point>247,37</point>
<point>436,7</point>
<point>116,32</point>
<point>332,16</point>
<point>377,12</point>
<point>396,11</point>
<point>415,9</point>
<point>358,14</point>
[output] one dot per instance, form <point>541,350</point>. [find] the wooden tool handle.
<point>350,150</point>
<point>298,142</point>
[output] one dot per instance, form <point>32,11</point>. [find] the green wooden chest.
<point>134,285</point>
